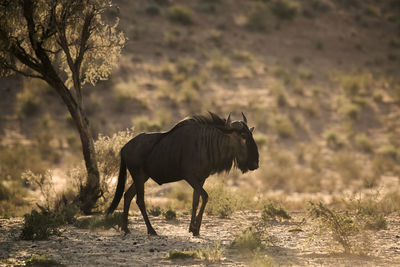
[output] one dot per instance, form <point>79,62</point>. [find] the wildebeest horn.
<point>244,118</point>
<point>228,121</point>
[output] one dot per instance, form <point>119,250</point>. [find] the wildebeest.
<point>192,150</point>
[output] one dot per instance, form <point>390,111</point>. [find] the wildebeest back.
<point>180,153</point>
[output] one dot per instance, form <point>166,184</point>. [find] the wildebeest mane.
<point>197,145</point>
<point>210,120</point>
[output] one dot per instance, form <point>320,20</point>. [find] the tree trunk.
<point>89,192</point>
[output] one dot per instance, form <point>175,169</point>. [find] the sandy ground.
<point>80,247</point>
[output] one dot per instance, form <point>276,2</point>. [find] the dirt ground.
<point>81,247</point>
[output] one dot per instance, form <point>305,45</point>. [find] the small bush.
<point>172,38</point>
<point>285,9</point>
<point>155,211</point>
<point>270,212</point>
<point>39,226</point>
<point>170,214</point>
<point>211,254</point>
<point>248,240</point>
<point>43,261</point>
<point>258,18</point>
<point>352,111</point>
<point>283,126</point>
<point>180,14</point>
<point>179,254</point>
<point>222,202</point>
<point>106,222</point>
<point>340,225</point>
<point>220,64</point>
<point>333,139</point>
<point>363,143</point>
<point>376,222</point>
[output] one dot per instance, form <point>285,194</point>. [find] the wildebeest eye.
<point>244,135</point>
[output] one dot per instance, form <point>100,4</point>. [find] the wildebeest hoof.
<point>195,232</point>
<point>151,232</point>
<point>126,231</point>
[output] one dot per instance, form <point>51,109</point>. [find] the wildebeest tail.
<point>120,187</point>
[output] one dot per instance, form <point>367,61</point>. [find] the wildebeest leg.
<point>128,196</point>
<point>195,204</point>
<point>139,181</point>
<point>198,189</point>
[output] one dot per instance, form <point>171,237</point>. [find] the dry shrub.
<point>341,226</point>
<point>223,202</point>
<point>271,212</point>
<point>211,254</point>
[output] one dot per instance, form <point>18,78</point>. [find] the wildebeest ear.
<point>251,129</point>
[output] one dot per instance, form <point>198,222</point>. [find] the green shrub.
<point>220,64</point>
<point>40,226</point>
<point>285,9</point>
<point>155,211</point>
<point>333,139</point>
<point>387,151</point>
<point>363,143</point>
<point>170,214</point>
<point>172,38</point>
<point>114,220</point>
<point>180,14</point>
<point>352,111</point>
<point>179,254</point>
<point>106,222</point>
<point>43,261</point>
<point>270,212</point>
<point>222,202</point>
<point>258,18</point>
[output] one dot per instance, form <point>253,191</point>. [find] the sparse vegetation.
<point>180,14</point>
<point>283,126</point>
<point>324,102</point>
<point>250,239</point>
<point>178,254</point>
<point>37,260</point>
<point>100,222</point>
<point>270,212</point>
<point>340,225</point>
<point>170,214</point>
<point>222,201</point>
<point>40,226</point>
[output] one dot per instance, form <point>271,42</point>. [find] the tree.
<point>66,43</point>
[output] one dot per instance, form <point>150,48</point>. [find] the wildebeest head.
<point>244,144</point>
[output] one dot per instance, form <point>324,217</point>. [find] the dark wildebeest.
<point>192,150</point>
